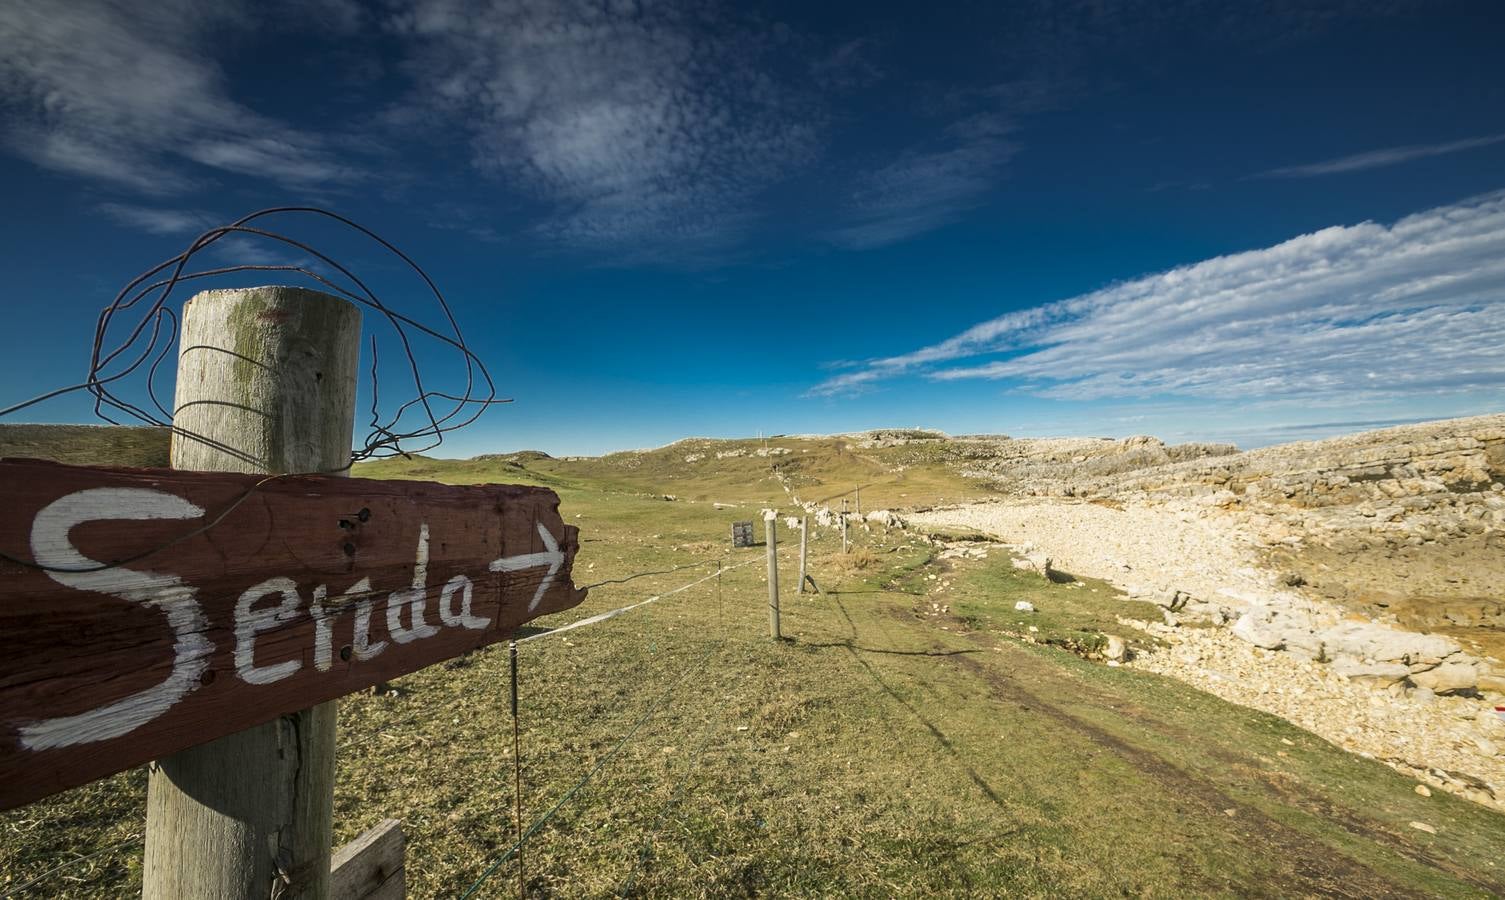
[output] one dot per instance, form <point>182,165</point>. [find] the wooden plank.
<point>267,595</point>
<point>88,445</point>
<point>371,867</point>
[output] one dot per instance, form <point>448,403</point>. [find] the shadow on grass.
<point>851,645</point>
<point>940,737</point>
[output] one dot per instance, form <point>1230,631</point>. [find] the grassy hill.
<point>913,735</point>
<point>698,469</point>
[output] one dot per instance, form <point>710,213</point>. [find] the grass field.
<point>911,736</point>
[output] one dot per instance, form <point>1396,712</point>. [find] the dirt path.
<point>1219,791</point>
<point>1140,548</point>
<point>1451,742</point>
<point>1326,874</point>
<point>1331,874</point>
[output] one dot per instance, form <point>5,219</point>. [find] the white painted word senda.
<point>53,549</point>
<point>148,610</point>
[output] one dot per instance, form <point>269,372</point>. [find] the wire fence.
<point>137,331</point>
<point>113,365</point>
<point>662,700</point>
<point>61,868</point>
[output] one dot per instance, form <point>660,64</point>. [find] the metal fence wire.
<point>124,349</point>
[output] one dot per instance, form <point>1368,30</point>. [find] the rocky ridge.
<point>1336,568</point>
<point>1450,742</point>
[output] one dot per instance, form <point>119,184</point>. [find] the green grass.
<point>911,737</point>
<point>1074,614</point>
<point>818,469</point>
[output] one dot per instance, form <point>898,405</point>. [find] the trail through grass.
<point>912,737</point>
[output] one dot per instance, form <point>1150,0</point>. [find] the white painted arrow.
<point>550,557</point>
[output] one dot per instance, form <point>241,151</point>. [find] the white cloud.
<point>849,65</point>
<point>126,93</point>
<point>157,221</point>
<point>1375,159</point>
<point>254,250</point>
<point>1420,302</point>
<point>936,183</point>
<point>638,123</point>
<point>922,191</point>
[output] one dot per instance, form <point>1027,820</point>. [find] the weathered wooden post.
<point>846,545</point>
<point>770,530</point>
<point>857,499</point>
<point>266,383</point>
<point>804,541</point>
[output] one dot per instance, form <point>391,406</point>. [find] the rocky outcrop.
<point>1453,456</point>
<point>1257,626</point>
<point>893,437</point>
<point>1404,528</point>
<point>1405,486</point>
<point>1449,742</point>
<point>1405,525</point>
<point>1032,560</point>
<point>1068,466</point>
<point>1408,485</point>
<point>1367,651</point>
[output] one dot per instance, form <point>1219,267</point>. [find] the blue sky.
<point>1201,220</point>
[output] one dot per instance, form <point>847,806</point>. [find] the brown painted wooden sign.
<point>262,597</point>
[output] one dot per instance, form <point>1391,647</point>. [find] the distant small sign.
<point>742,534</point>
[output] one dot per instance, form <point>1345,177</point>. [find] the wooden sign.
<point>742,534</point>
<point>144,611</point>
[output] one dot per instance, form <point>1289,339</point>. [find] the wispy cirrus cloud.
<point>1356,312</point>
<point>638,125</point>
<point>936,182</point>
<point>155,220</point>
<point>129,95</point>
<point>1375,159</point>
<point>925,189</point>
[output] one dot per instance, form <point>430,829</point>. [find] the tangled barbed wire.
<point>110,366</point>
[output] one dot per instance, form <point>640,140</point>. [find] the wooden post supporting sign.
<point>266,384</point>
<point>208,619</point>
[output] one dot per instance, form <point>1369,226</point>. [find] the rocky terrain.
<point>1406,522</point>
<point>1354,586</point>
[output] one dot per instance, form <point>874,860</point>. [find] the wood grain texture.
<point>265,383</point>
<point>74,650</point>
<point>371,867</point>
<point>87,445</point>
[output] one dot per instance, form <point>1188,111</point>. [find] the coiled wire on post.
<point>157,326</point>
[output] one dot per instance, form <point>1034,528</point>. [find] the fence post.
<point>770,530</point>
<point>266,383</point>
<point>845,545</point>
<point>857,500</point>
<point>804,540</point>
